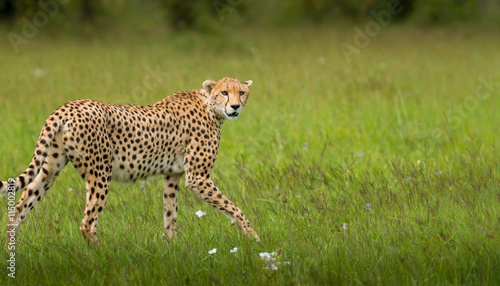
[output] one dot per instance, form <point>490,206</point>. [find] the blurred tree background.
<point>145,15</point>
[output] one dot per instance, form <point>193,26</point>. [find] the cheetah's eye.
<point>242,93</point>
<point>224,92</point>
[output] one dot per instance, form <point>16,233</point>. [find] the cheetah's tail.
<point>51,127</point>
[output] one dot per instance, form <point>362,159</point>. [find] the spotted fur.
<point>177,135</point>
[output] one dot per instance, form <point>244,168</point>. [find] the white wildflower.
<point>233,250</point>
<point>269,260</point>
<point>344,226</point>
<point>200,213</point>
<point>212,251</point>
<point>265,256</point>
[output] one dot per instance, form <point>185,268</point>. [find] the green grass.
<point>319,139</point>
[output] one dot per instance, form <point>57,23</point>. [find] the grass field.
<point>409,127</point>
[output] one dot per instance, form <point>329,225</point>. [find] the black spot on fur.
<point>21,180</point>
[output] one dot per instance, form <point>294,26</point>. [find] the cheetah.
<point>175,136</point>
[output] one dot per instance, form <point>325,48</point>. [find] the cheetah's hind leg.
<point>97,183</point>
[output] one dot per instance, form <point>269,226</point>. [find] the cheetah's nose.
<point>235,106</point>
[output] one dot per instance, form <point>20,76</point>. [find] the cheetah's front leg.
<point>170,194</point>
<point>211,194</point>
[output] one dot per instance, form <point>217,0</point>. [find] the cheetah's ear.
<point>247,83</point>
<point>208,85</point>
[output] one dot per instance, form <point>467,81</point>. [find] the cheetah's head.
<point>228,96</point>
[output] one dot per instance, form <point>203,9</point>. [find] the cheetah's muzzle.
<point>233,115</point>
